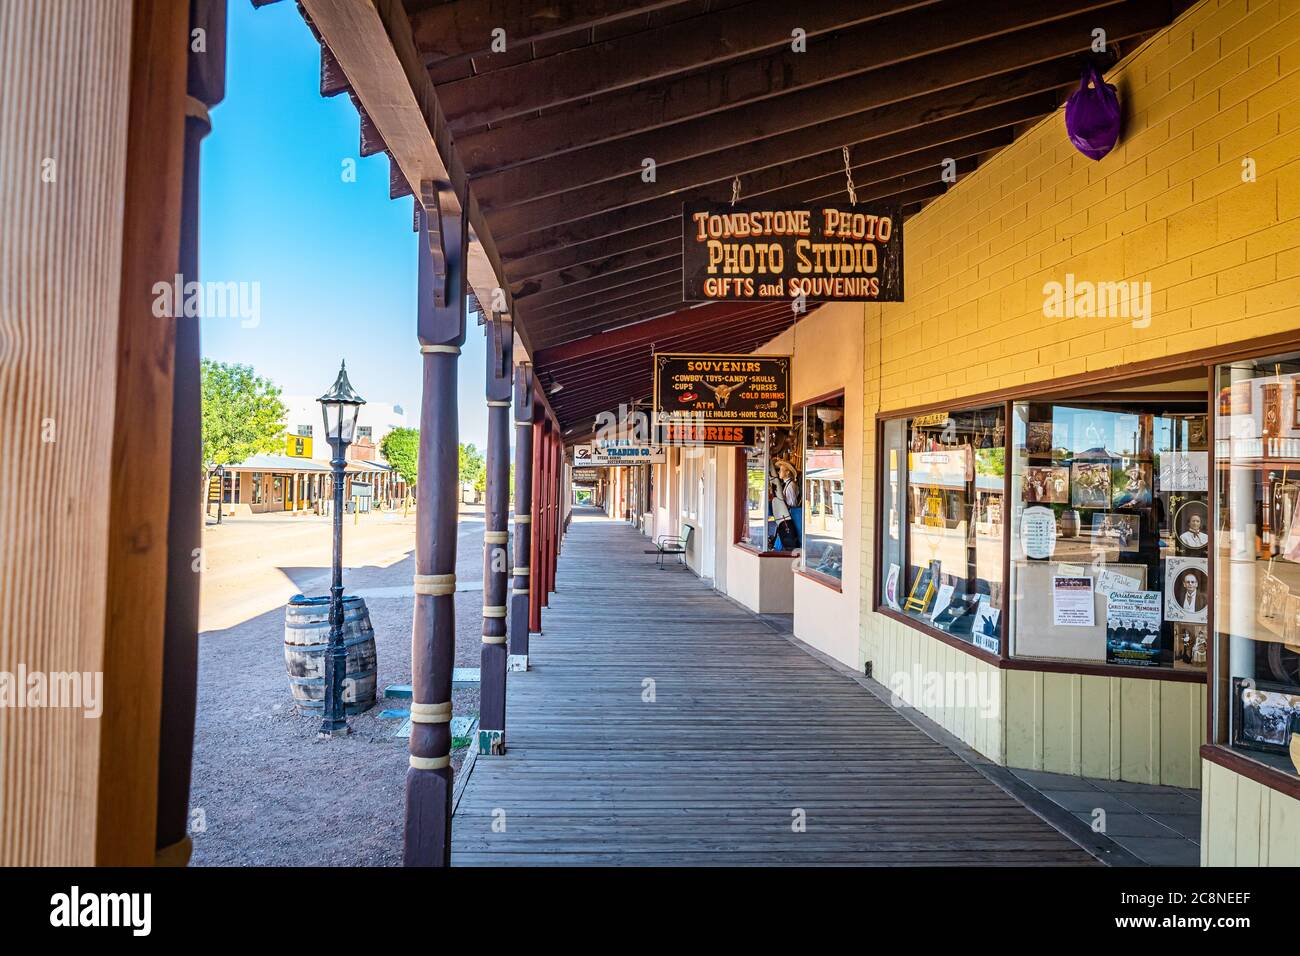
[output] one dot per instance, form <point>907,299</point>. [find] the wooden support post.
<point>496,539</point>
<point>521,593</point>
<point>433,631</point>
<point>206,88</point>
<point>556,451</point>
<point>537,587</point>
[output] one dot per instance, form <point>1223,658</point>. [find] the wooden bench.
<point>672,544</point>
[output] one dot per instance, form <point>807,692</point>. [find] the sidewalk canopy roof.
<point>547,141</point>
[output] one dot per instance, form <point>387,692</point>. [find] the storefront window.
<point>785,488</point>
<point>1109,533</point>
<point>943,533</point>
<point>893,454</point>
<point>755,531</point>
<point>1257,560</point>
<point>823,499</point>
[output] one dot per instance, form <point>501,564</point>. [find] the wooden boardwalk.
<point>745,734</point>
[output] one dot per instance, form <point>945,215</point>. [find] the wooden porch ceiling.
<point>551,136</point>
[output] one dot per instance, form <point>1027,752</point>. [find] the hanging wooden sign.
<point>688,434</point>
<point>824,252</point>
<point>699,389</point>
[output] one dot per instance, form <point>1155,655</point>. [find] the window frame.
<point>1059,390</point>
<point>801,408</point>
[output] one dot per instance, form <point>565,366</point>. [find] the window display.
<point>774,491</point>
<point>1256,554</point>
<point>944,478</point>
<point>1110,531</point>
<point>823,546</point>
<point>754,531</point>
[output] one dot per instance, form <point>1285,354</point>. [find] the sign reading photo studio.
<point>700,390</point>
<point>824,252</point>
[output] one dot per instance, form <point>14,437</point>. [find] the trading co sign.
<point>722,389</point>
<point>612,454</point>
<point>823,252</point>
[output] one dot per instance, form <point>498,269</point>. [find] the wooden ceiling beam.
<point>814,186</point>
<point>649,55</point>
<point>805,122</point>
<point>605,288</point>
<point>608,227</point>
<point>882,44</point>
<point>528,289</point>
<point>465,27</point>
<point>609,195</point>
<point>668,290</point>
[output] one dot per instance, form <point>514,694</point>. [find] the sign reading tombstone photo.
<point>1186,589</point>
<point>823,252</point>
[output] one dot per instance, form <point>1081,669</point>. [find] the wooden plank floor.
<point>745,731</point>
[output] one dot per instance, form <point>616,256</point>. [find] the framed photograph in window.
<point>1263,715</point>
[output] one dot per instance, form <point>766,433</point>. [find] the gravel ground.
<point>270,791</point>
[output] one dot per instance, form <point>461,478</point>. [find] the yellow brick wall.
<point>1170,206</point>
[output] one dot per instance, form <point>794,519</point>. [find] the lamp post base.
<point>341,729</point>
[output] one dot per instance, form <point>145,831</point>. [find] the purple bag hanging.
<point>1092,115</point>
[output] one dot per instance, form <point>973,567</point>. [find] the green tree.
<point>242,414</point>
<point>401,448</point>
<point>472,467</point>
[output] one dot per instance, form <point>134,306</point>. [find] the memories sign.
<point>825,252</point>
<point>721,389</point>
<point>687,434</point>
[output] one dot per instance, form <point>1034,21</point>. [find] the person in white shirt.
<point>1192,600</point>
<point>1194,538</point>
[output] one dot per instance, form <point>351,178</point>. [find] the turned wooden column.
<point>444,242</point>
<point>538,581</point>
<point>206,87</point>
<point>520,592</point>
<point>496,538</point>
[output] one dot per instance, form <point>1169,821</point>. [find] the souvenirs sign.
<point>686,434</point>
<point>722,389</point>
<point>825,252</point>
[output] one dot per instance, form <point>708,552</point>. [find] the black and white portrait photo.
<point>1191,528</point>
<point>1186,590</point>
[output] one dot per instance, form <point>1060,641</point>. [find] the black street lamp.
<point>339,408</point>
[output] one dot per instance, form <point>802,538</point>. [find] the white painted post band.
<point>451,349</point>
<point>430,763</point>
<point>494,640</point>
<point>519,591</point>
<point>523,424</point>
<point>523,519</point>
<point>431,713</point>
<point>496,537</point>
<point>493,403</point>
<point>494,610</point>
<point>435,584</point>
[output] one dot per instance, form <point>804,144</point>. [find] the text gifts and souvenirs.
<point>700,389</point>
<point>823,252</point>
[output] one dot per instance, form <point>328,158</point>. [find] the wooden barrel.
<point>306,642</point>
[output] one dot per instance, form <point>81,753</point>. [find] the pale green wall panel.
<point>1060,724</point>
<point>1096,720</point>
<point>1139,744</point>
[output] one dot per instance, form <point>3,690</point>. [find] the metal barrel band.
<point>430,763</point>
<point>433,349</point>
<point>435,584</point>
<point>496,537</point>
<point>431,713</point>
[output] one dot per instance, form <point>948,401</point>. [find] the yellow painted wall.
<point>1244,823</point>
<point>1168,206</point>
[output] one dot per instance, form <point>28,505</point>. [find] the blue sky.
<point>336,260</point>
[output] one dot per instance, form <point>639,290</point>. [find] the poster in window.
<point>1133,628</point>
<point>985,630</point>
<point>891,587</point>
<point>1185,471</point>
<point>1038,532</point>
<point>1072,601</point>
<point>1131,484</point>
<point>1110,528</point>
<point>1046,485</point>
<point>1090,484</point>
<point>1186,589</point>
<point>1190,645</point>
